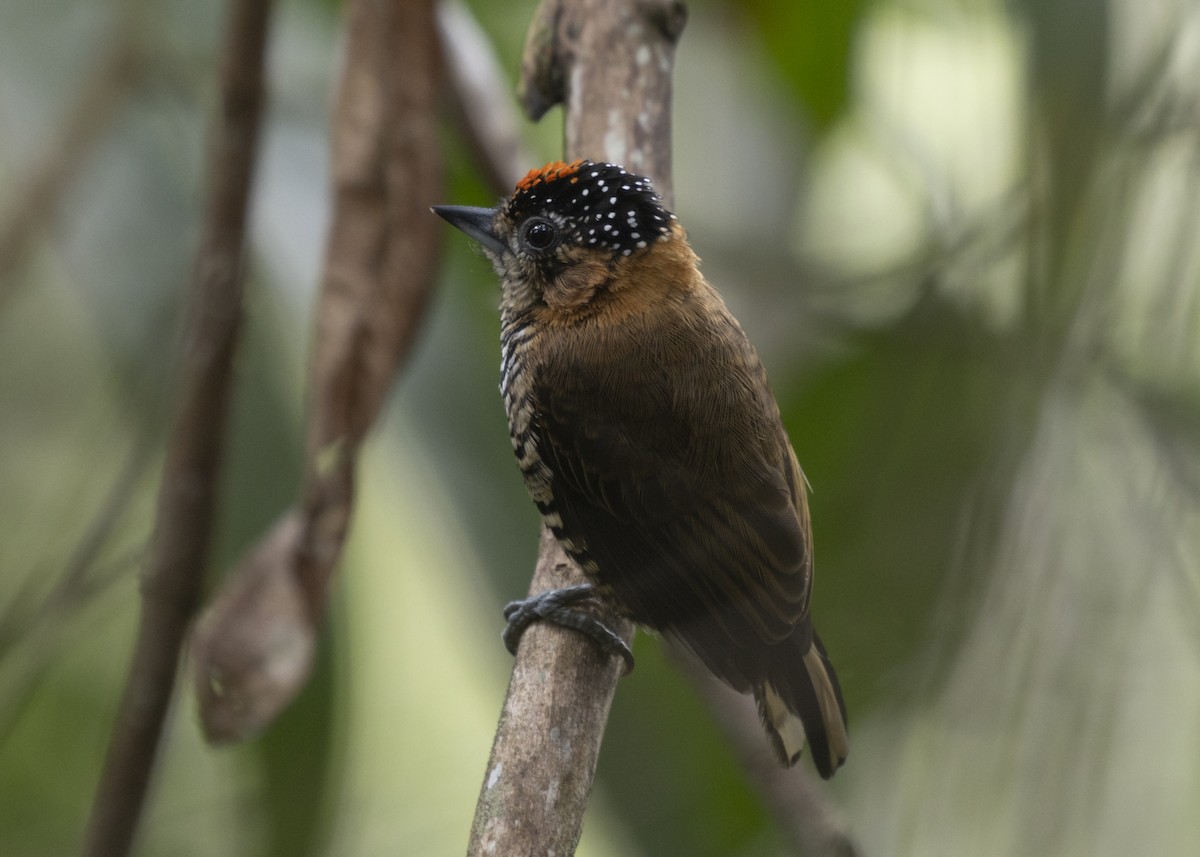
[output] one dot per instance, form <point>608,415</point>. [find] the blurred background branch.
<point>255,645</point>
<point>174,574</point>
<point>483,106</point>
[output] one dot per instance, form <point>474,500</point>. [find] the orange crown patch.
<point>552,171</point>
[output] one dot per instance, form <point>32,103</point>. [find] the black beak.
<point>476,222</point>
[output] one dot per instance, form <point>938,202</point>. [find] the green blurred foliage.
<point>896,438</point>
<point>811,43</point>
<point>975,287</point>
<point>656,716</point>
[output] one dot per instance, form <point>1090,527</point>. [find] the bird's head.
<point>568,231</point>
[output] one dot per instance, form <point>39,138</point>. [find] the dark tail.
<point>801,699</point>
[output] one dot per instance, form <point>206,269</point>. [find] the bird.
<point>651,443</point>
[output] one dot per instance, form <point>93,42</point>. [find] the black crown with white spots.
<point>598,205</point>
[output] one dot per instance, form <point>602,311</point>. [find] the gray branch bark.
<point>609,63</point>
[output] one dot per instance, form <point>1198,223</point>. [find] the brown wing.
<point>677,480</point>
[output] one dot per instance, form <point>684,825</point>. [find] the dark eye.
<point>539,234</point>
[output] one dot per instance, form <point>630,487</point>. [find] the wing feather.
<point>688,498</point>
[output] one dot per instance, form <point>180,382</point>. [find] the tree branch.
<point>253,650</point>
<point>610,63</point>
<point>172,582</point>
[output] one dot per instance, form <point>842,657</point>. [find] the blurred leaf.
<point>1066,724</point>
<point>897,441</point>
<point>810,42</point>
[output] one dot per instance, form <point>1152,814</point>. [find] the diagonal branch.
<point>173,578</point>
<point>617,59</point>
<point>33,200</point>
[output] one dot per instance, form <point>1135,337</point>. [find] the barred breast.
<point>517,390</point>
<point>517,335</point>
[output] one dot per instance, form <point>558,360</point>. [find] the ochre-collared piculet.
<point>651,443</point>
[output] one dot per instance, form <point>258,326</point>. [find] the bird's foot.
<point>554,606</point>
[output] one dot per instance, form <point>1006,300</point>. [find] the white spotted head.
<point>596,206</point>
<point>566,230</point>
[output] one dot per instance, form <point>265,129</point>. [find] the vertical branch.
<point>173,578</point>
<point>609,63</point>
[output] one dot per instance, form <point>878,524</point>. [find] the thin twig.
<point>543,759</point>
<point>35,625</point>
<point>47,632</point>
<point>172,583</point>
